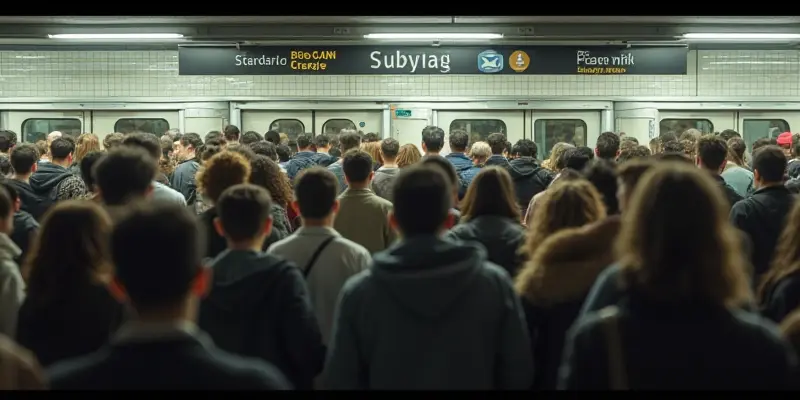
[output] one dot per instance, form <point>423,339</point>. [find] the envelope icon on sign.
<point>490,62</point>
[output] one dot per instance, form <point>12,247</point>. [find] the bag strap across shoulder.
<point>315,256</point>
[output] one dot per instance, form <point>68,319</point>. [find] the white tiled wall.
<point>119,74</point>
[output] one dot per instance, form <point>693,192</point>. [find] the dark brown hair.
<point>491,192</point>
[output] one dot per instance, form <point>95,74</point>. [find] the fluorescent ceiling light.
<point>82,36</point>
<point>741,36</point>
<point>434,36</point>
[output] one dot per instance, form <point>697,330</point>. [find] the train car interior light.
<point>742,36</point>
<point>112,36</point>
<point>434,36</point>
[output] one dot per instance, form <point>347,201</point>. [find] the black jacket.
<point>259,306</point>
<point>730,193</point>
<point>175,362</point>
<point>781,298</point>
<point>25,229</point>
<point>500,236</point>
<point>529,179</point>
<point>762,217</point>
<point>29,201</point>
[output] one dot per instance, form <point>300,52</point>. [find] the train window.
<point>334,126</point>
<point>548,132</point>
<point>156,126</point>
<point>36,129</point>
<point>678,126</point>
<point>478,129</point>
<point>754,129</point>
<point>291,127</point>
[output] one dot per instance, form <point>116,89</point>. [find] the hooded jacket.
<point>529,179</point>
<point>29,201</point>
<point>501,237</point>
<point>56,183</point>
<point>383,182</point>
<point>429,314</point>
<point>259,306</point>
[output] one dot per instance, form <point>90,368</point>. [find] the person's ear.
<point>218,227</point>
<point>201,284</point>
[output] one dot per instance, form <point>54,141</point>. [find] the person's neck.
<point>186,311</point>
<point>765,185</point>
<point>458,152</point>
<point>358,185</point>
<point>189,156</point>
<point>432,153</point>
<point>323,151</point>
<point>23,177</point>
<point>326,222</point>
<point>389,163</point>
<point>306,150</point>
<point>247,245</point>
<point>62,162</point>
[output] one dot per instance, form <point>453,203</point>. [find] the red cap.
<point>784,139</point>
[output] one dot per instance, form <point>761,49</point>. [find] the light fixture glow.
<point>741,36</point>
<point>112,36</point>
<point>434,36</point>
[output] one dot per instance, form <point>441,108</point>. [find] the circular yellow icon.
<point>519,61</point>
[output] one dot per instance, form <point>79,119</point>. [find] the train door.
<point>33,126</point>
<point>290,122</point>
<point>331,122</point>
<point>480,124</point>
<point>754,125</point>
<point>704,121</point>
<point>580,128</point>
<point>155,122</point>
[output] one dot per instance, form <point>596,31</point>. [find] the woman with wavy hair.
<point>408,155</point>
<point>779,289</point>
<point>569,244</point>
<point>555,154</point>
<point>268,174</point>
<point>679,324</point>
<point>84,144</point>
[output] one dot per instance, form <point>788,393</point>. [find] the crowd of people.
<point>241,261</point>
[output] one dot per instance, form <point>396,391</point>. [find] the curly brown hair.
<point>85,144</point>
<point>267,174</point>
<point>220,172</point>
<point>374,151</point>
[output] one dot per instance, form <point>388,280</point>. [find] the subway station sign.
<point>420,60</point>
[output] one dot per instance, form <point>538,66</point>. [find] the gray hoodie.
<point>429,314</point>
<point>383,181</point>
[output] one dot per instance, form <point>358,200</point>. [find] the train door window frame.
<point>71,131</point>
<point>546,138</point>
<point>292,134</point>
<point>479,134</point>
<point>137,125</point>
<point>352,125</point>
<point>690,123</point>
<point>771,133</point>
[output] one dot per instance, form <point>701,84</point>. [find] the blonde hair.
<point>374,151</point>
<point>674,253</point>
<point>480,150</point>
<point>408,155</point>
<point>558,149</point>
<point>85,144</point>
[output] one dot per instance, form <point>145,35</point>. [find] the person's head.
<point>491,193</point>
<point>349,139</point>
<point>357,166</point>
<point>70,252</point>
<point>603,175</point>
<point>480,152</point>
<point>389,148</point>
<point>673,147</point>
<point>568,203</point>
<point>43,149</point>
<point>113,140</point>
<point>371,137</point>
<point>587,151</point>
<point>408,155</point>
<point>145,141</point>
<point>729,134</point>
<point>784,140</point>
<point>124,174</point>
<point>24,159</point>
<point>676,254</point>
<point>13,194</point>
<point>572,158</point>
<point>188,144</point>
<point>267,173</point>
<point>711,153</point>
<point>315,191</point>
<point>84,144</point>
<point>304,142</point>
<point>667,137</point>
<point>374,151</point>
<point>6,171</point>
<point>251,137</point>
<point>555,154</point>
<point>628,176</point>
<point>231,133</point>
<point>627,141</point>
<point>422,202</point>
<point>207,151</point>
<point>284,153</point>
<point>8,139</point>
<point>633,152</point>
<point>244,216</point>
<point>7,210</point>
<point>220,172</point>
<point>507,151</point>
<point>166,146</point>
<point>525,148</point>
<point>459,141</point>
<point>655,145</point>
<point>432,139</point>
<point>759,143</point>
<point>497,143</point>
<point>691,135</point>
<point>265,148</point>
<point>322,143</point>
<point>87,166</point>
<point>446,167</point>
<point>769,166</point>
<point>171,283</point>
<point>285,139</point>
<point>62,150</point>
<point>736,149</point>
<point>607,146</point>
